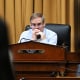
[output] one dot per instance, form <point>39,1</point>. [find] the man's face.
<point>37,24</point>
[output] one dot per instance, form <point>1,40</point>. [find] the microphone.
<point>38,36</point>
<point>26,40</point>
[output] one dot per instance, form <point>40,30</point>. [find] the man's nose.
<point>36,26</point>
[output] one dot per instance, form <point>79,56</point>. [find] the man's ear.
<point>44,24</point>
<point>30,26</point>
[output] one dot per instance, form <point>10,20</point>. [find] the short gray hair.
<point>36,15</point>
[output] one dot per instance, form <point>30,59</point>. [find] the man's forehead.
<point>36,20</point>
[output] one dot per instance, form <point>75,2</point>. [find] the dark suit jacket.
<point>6,72</point>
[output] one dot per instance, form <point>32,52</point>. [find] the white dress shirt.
<point>51,37</point>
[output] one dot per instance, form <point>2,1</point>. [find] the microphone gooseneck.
<point>25,39</point>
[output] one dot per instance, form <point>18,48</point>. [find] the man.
<point>38,32</point>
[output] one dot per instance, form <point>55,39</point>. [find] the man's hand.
<point>36,32</point>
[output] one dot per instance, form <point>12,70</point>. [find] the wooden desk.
<point>42,65</point>
<point>52,78</point>
<point>38,64</point>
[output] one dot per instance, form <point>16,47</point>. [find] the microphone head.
<point>38,36</point>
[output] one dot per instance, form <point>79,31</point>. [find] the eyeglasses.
<point>36,24</point>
